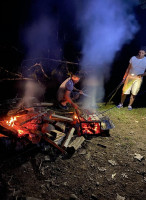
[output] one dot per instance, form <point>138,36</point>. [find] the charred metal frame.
<point>89,122</point>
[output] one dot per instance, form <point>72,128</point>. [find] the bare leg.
<point>123,97</point>
<point>132,98</point>
<point>64,103</point>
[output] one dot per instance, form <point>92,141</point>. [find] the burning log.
<point>61,118</point>
<point>68,138</point>
<point>34,117</point>
<point>77,142</point>
<point>19,111</point>
<point>1,135</point>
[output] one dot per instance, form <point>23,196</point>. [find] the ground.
<point>104,168</point>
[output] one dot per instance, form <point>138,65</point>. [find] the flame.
<point>20,132</point>
<point>11,122</point>
<point>75,117</point>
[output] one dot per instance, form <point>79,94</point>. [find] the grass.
<point>122,113</point>
<point>130,126</point>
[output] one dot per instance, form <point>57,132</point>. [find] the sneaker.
<point>129,107</point>
<point>120,106</point>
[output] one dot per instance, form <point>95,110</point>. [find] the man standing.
<point>133,77</point>
<point>66,90</point>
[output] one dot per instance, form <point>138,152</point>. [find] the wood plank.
<point>68,138</point>
<point>77,142</point>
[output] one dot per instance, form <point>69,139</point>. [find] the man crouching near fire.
<point>67,92</point>
<point>133,77</point>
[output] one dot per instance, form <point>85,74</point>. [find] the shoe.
<point>63,107</point>
<point>120,106</point>
<point>129,107</point>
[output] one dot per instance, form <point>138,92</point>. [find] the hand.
<point>140,75</point>
<point>81,92</point>
<point>124,79</point>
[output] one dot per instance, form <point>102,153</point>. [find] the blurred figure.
<point>133,77</point>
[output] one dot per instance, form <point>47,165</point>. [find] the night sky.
<point>69,30</point>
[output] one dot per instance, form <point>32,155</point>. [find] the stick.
<point>61,118</point>
<point>54,144</point>
<point>115,91</point>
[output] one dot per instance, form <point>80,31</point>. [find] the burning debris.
<point>62,130</point>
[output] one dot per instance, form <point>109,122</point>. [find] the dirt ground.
<point>110,167</point>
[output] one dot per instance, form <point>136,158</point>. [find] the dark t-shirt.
<point>69,85</point>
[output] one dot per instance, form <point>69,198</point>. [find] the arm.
<point>127,71</point>
<point>80,91</point>
<point>69,100</point>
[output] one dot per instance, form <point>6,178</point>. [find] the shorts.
<point>132,85</point>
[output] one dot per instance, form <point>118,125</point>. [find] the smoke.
<point>39,37</point>
<point>40,34</point>
<point>105,27</point>
<point>34,91</point>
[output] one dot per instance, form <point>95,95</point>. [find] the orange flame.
<point>11,122</point>
<point>20,132</point>
<point>75,117</point>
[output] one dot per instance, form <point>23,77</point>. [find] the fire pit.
<point>93,124</point>
<point>56,128</point>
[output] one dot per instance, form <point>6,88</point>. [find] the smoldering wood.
<point>11,133</point>
<point>61,118</point>
<point>1,135</point>
<point>19,111</point>
<point>77,142</point>
<point>68,137</point>
<point>34,117</point>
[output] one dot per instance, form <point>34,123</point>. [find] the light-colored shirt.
<point>138,65</point>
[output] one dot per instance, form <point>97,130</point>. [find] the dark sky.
<point>20,18</point>
<point>17,16</point>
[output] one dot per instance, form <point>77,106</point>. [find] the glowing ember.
<point>75,117</point>
<point>20,132</point>
<point>11,121</point>
<point>90,128</point>
<point>15,125</point>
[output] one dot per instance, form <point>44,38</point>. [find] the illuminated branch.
<point>15,74</point>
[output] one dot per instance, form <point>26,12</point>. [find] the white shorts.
<point>132,85</point>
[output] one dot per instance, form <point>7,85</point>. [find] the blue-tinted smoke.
<point>40,34</point>
<point>41,37</point>
<point>106,25</point>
